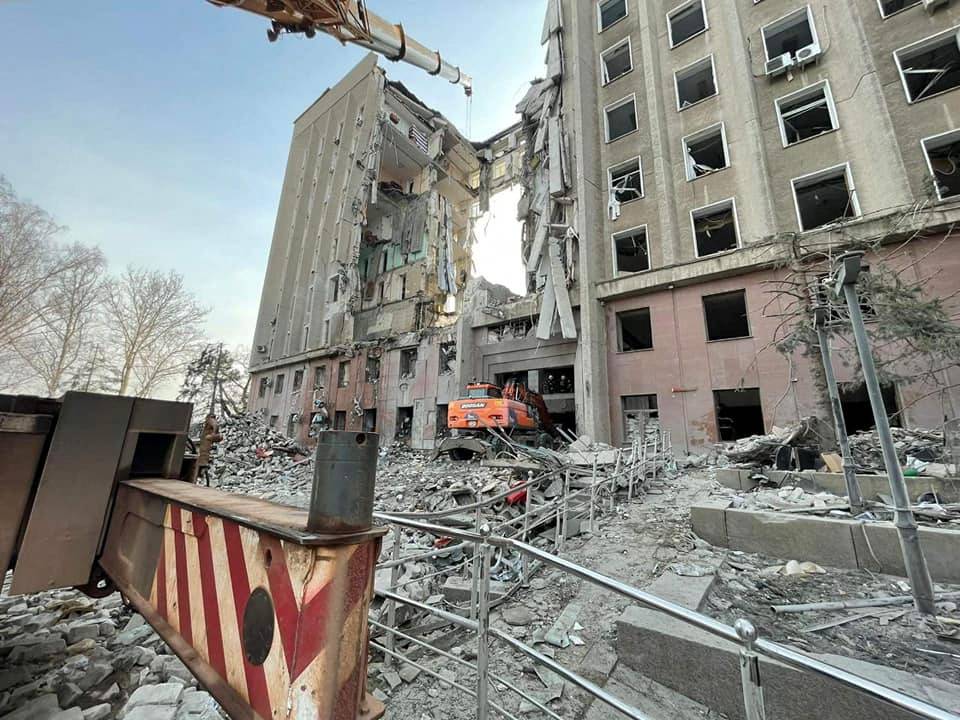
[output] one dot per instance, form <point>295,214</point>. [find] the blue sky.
<point>159,129</point>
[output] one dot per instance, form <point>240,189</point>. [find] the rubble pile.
<point>68,657</point>
<point>913,446</point>
<point>760,450</point>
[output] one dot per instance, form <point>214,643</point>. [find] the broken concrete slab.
<point>823,541</point>
<point>458,589</point>
<point>871,486</point>
<point>710,522</point>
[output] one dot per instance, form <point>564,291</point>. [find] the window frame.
<point>676,81</point>
<point>699,134</point>
<point>626,14</point>
<point>810,178</point>
<point>680,8</point>
<point>831,109</point>
<point>633,311</point>
<point>896,12</point>
<point>746,315</point>
<point>613,248</point>
<point>732,202</point>
<point>920,44</point>
<point>615,166</point>
<point>603,68</point>
<point>631,98</point>
<point>796,11</point>
<point>926,156</point>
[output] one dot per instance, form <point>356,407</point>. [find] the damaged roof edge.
<point>332,94</point>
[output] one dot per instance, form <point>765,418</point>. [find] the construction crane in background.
<point>349,21</point>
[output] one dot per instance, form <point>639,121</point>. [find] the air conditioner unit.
<point>779,65</point>
<point>261,348</point>
<point>808,54</point>
<point>931,5</point>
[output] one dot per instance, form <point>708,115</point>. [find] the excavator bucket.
<point>464,448</point>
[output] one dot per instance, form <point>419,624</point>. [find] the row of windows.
<point>724,316</point>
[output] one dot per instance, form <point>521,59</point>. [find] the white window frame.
<point>923,145</point>
<point>604,79</point>
<point>896,12</point>
<point>676,81</point>
<point>781,19</point>
<point>613,247</point>
<point>688,168</point>
<point>680,8</point>
<point>730,202</point>
<point>600,28</point>
<point>617,166</point>
<point>631,98</point>
<point>831,108</point>
<point>929,40</point>
<point>810,178</point>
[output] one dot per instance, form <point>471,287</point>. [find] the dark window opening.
<point>889,7</point>
<point>278,384</point>
<point>373,369</point>
<point>726,315</point>
<point>806,116</point>
<point>297,380</point>
<point>370,420</point>
<point>715,230</point>
<point>448,357</point>
<point>616,62</point>
<point>611,11</point>
<point>340,420</point>
<point>441,430</point>
<point>857,411</point>
<point>262,388</point>
<point>635,330</point>
<point>686,23</point>
<point>621,120</point>
<point>695,83</point>
<point>944,157</point>
<point>273,420</point>
<point>632,253</point>
<point>837,306</point>
<point>788,35</point>
<point>291,425</point>
<point>640,417</point>
<point>824,200</point>
<point>343,374</point>
<point>403,287</point>
<point>334,289</point>
<point>626,181</point>
<point>557,381</point>
<point>319,377</point>
<point>739,413</point>
<point>380,292</point>
<point>932,68</point>
<point>408,363</point>
<point>404,421</point>
<point>705,153</point>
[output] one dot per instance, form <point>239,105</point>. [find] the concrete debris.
<point>925,446</point>
<point>761,450</point>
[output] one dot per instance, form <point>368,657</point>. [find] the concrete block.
<point>941,547</point>
<point>729,477</point>
<point>780,535</point>
<point>690,592</point>
<point>457,589</point>
<point>708,520</point>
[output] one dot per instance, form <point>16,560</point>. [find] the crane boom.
<point>350,21</point>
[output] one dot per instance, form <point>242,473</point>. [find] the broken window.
<point>616,61</point>
<point>634,330</point>
<point>620,118</point>
<point>789,34</point>
<point>930,67</point>
<point>739,413</point>
<point>370,420</point>
<point>441,428</point>
<point>383,261</point>
<point>510,330</point>
<point>408,363</point>
<point>273,420</point>
<point>889,7</point>
<point>334,288</point>
<point>403,287</point>
<point>448,357</point>
<point>726,315</point>
<point>686,21</point>
<point>715,228</point>
<point>278,384</point>
<point>705,152</point>
<point>943,159</point>
<point>631,251</point>
<point>557,381</point>
<point>806,114</point>
<point>262,387</point>
<point>380,292</point>
<point>340,420</point>
<point>825,197</point>
<point>640,413</point>
<point>610,11</point>
<point>319,377</point>
<point>326,332</point>
<point>343,373</point>
<point>626,181</point>
<point>857,410</point>
<point>404,421</point>
<point>297,380</point>
<point>373,369</point>
<point>695,83</point>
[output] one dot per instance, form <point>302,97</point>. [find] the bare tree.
<point>66,319</point>
<point>155,322</point>
<point>216,379</point>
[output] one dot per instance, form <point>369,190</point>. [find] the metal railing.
<point>485,543</point>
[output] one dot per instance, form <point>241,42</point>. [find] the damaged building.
<point>672,157</point>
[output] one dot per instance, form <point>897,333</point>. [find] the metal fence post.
<point>562,512</point>
<point>392,607</point>
<point>475,571</point>
<point>525,562</point>
<point>750,671</point>
<point>483,626</point>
